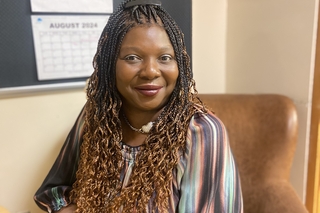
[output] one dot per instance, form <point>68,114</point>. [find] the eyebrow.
<point>164,48</point>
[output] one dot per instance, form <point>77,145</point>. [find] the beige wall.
<point>32,130</point>
<point>209,23</point>
<point>239,47</point>
<point>270,49</point>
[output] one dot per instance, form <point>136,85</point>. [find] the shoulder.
<point>206,136</point>
<point>206,122</point>
<point>206,139</point>
<point>206,132</point>
<point>79,124</point>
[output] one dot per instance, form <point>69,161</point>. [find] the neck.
<point>144,129</point>
<point>138,118</point>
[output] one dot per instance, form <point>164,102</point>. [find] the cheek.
<point>173,76</point>
<point>124,73</point>
<point>120,76</point>
<point>121,81</point>
<point>121,84</point>
<point>120,71</point>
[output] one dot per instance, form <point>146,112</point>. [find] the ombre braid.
<point>98,187</point>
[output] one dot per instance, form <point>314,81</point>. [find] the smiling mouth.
<point>148,90</point>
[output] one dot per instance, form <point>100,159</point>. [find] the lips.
<point>148,90</point>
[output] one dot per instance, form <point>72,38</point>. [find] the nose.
<point>150,69</point>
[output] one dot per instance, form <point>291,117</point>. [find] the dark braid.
<point>98,187</point>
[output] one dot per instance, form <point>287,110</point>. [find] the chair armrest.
<point>274,196</point>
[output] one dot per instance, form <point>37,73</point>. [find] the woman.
<point>144,142</point>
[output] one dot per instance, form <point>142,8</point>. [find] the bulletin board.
<point>18,64</point>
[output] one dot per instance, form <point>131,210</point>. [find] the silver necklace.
<point>145,129</point>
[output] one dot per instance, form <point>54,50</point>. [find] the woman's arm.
<point>210,182</point>
<point>53,194</point>
<point>69,209</point>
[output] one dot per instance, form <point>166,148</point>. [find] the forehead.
<point>146,34</point>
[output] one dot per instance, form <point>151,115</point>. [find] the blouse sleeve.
<point>210,182</point>
<point>53,194</point>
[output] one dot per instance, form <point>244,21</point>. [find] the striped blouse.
<point>206,178</point>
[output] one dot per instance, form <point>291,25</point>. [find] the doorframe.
<point>313,179</point>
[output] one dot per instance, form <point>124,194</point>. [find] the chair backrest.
<point>262,131</point>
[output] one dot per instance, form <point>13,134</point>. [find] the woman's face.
<point>146,70</point>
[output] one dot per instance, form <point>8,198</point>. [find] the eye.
<point>166,58</point>
<point>132,58</point>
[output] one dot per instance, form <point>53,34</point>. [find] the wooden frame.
<point>313,186</point>
<point>313,181</point>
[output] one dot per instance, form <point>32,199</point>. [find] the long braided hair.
<point>98,186</point>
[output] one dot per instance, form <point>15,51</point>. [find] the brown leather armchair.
<point>262,131</point>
